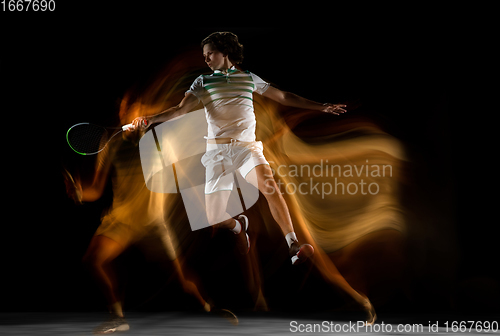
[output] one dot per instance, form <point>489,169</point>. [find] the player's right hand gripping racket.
<point>90,139</point>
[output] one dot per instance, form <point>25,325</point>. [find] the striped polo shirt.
<point>228,101</point>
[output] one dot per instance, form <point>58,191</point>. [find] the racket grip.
<point>131,127</point>
<point>128,127</point>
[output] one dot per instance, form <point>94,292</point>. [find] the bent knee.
<point>102,250</point>
<point>89,260</point>
<point>94,260</point>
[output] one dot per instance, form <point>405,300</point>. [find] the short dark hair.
<point>227,43</point>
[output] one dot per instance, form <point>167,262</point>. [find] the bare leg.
<point>264,181</point>
<point>328,269</point>
<point>216,205</point>
<point>100,253</point>
<point>188,286</point>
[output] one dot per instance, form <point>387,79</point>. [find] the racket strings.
<point>87,138</point>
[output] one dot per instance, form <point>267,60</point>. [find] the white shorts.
<point>221,160</point>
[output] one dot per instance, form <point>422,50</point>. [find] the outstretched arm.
<point>186,105</point>
<point>292,100</point>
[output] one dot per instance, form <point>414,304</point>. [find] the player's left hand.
<point>334,108</point>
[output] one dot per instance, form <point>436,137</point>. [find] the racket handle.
<point>128,127</point>
<point>131,127</point>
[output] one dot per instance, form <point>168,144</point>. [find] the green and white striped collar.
<point>229,71</point>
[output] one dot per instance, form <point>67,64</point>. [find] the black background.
<point>70,67</point>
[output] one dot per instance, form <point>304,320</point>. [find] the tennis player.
<point>227,95</point>
<point>231,142</point>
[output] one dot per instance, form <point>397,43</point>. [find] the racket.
<point>90,139</point>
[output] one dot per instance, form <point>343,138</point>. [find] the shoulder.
<point>255,77</point>
<point>197,83</point>
<point>199,79</point>
<point>260,85</point>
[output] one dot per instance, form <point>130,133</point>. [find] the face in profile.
<point>213,57</point>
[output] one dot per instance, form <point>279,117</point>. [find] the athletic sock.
<point>237,227</point>
<point>290,238</point>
